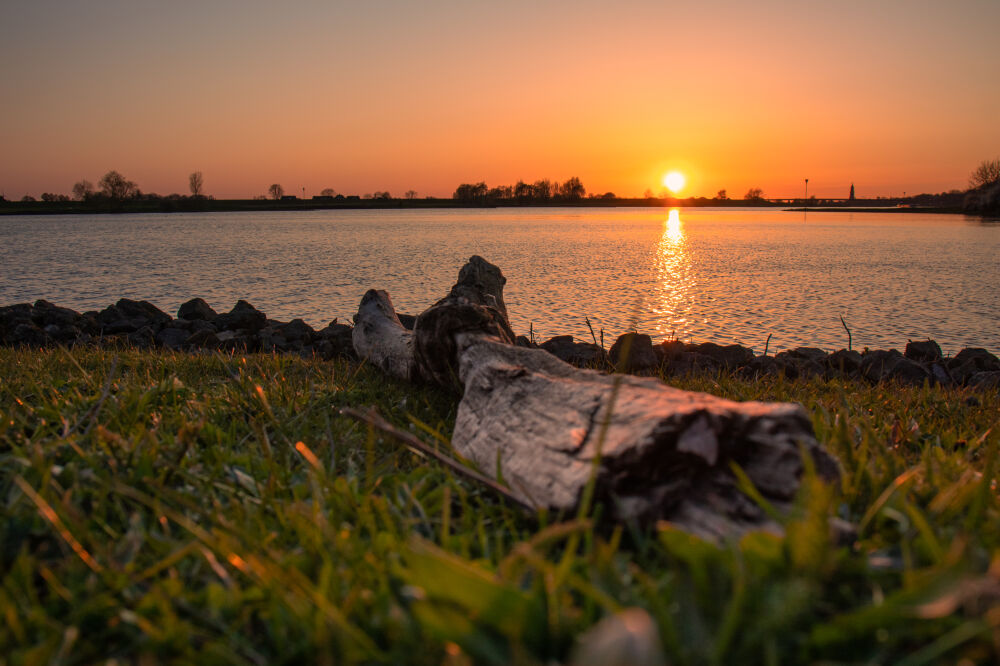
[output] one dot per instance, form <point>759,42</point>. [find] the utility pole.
<point>805,201</point>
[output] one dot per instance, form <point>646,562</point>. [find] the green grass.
<point>218,509</point>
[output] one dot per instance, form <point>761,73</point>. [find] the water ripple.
<point>726,275</point>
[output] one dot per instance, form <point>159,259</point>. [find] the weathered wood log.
<point>379,337</point>
<point>475,307</point>
<point>653,451</point>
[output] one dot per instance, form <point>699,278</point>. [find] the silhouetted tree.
<point>411,194</point>
<point>721,194</point>
<point>523,191</point>
<point>987,173</point>
<point>471,192</point>
<point>196,184</point>
<point>572,189</point>
<point>542,189</point>
<point>328,192</point>
<point>27,198</point>
<point>500,192</point>
<point>83,190</point>
<point>648,194</point>
<point>116,187</point>
<point>754,194</point>
<point>276,191</point>
<point>48,196</point>
<point>381,195</point>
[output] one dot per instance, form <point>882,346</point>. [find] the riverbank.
<point>167,505</point>
<point>245,329</point>
<point>205,205</point>
<point>942,210</point>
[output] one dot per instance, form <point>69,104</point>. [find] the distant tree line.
<point>114,187</point>
<point>540,191</point>
<point>115,192</point>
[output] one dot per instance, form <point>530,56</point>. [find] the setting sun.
<point>674,181</point>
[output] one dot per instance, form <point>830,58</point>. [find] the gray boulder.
<point>335,340</point>
<point>296,331</point>
<point>981,358</point>
<point>144,310</point>
<point>881,365</point>
<point>985,380</point>
<point>196,309</point>
<point>844,361</point>
<point>46,314</point>
<point>243,316</point>
<point>970,361</point>
<point>668,350</point>
<point>143,338</point>
<point>691,363</point>
<point>813,354</point>
<point>27,335</point>
<point>730,357</point>
<point>581,354</point>
<point>923,351</point>
<point>11,317</point>
<point>633,353</point>
<point>172,338</point>
<point>204,338</point>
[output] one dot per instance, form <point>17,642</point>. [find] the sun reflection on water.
<point>675,280</point>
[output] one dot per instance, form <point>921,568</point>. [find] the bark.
<point>379,337</point>
<point>548,428</point>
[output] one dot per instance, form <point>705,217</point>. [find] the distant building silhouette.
<point>851,198</point>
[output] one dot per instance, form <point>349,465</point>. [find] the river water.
<point>701,274</point>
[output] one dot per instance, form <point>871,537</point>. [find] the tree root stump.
<point>549,429</point>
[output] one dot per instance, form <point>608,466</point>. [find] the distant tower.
<point>852,192</point>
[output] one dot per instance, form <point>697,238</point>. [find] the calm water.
<point>709,275</point>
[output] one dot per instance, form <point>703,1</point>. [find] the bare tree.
<point>754,194</point>
<point>411,194</point>
<point>721,194</point>
<point>116,186</point>
<point>471,192</point>
<point>987,173</point>
<point>542,189</point>
<point>83,190</point>
<point>328,192</point>
<point>196,183</point>
<point>276,191</point>
<point>523,190</point>
<point>572,189</point>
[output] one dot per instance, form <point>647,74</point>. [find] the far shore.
<point>206,205</point>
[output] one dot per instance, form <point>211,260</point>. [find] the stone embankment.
<point>140,324</point>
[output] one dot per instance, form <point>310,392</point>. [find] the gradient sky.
<point>385,95</point>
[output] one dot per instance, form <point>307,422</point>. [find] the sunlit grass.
<point>218,509</point>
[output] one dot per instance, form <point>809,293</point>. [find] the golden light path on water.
<point>675,283</point>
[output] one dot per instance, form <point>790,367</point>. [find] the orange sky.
<point>893,96</point>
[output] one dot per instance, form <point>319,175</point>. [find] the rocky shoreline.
<point>198,327</point>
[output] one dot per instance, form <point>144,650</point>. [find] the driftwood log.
<point>656,452</point>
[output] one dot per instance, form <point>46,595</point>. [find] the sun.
<point>674,181</point>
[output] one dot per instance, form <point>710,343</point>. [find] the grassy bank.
<point>218,509</point>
